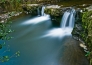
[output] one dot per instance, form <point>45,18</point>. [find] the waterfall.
<point>68,19</point>
<point>42,11</point>
<point>65,19</point>
<point>38,11</point>
<point>72,18</point>
<point>67,25</point>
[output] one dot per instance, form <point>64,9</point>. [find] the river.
<point>41,43</point>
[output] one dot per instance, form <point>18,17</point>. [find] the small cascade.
<point>65,19</point>
<point>68,19</point>
<point>38,11</point>
<point>66,28</point>
<point>42,11</point>
<point>72,18</point>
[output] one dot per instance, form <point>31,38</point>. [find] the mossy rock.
<point>86,32</point>
<point>53,11</point>
<point>91,62</point>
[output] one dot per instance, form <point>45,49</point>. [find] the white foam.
<point>36,20</point>
<point>58,32</point>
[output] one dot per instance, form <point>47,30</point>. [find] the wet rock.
<point>85,33</point>
<point>91,62</point>
<point>4,17</point>
<point>76,37</point>
<point>78,26</point>
<point>1,10</point>
<point>53,11</point>
<point>83,46</point>
<point>53,6</point>
<point>30,8</point>
<point>89,8</point>
<point>32,4</point>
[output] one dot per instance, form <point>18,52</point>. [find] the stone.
<point>89,8</point>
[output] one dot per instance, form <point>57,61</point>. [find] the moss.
<point>53,11</point>
<point>86,33</point>
<point>85,22</point>
<point>87,26</point>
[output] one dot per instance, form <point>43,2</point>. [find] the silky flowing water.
<point>40,43</point>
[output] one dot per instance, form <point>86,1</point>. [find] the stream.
<point>41,43</point>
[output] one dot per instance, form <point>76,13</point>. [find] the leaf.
<point>0,46</point>
<point>18,54</point>
<point>18,51</point>
<point>6,56</point>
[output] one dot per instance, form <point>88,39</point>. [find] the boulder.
<point>89,8</point>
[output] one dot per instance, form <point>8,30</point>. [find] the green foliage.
<point>87,54</point>
<point>4,31</point>
<point>91,62</point>
<point>53,11</point>
<point>32,9</point>
<point>4,58</point>
<point>0,46</point>
<point>17,53</point>
<point>7,57</point>
<point>87,26</point>
<point>9,5</point>
<point>87,32</point>
<point>3,1</point>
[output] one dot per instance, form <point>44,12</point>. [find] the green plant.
<point>4,31</point>
<point>87,34</point>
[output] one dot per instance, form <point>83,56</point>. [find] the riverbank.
<point>4,17</point>
<point>83,32</point>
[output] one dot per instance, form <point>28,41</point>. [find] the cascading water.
<point>37,19</point>
<point>68,19</point>
<point>38,46</point>
<point>67,25</point>
<point>65,19</point>
<point>72,18</point>
<point>42,11</point>
<point>38,11</point>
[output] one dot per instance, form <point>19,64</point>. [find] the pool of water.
<point>40,43</point>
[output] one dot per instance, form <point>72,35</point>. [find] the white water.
<point>37,20</point>
<point>72,18</point>
<point>67,25</point>
<point>67,22</point>
<point>66,28</point>
<point>42,11</point>
<point>57,33</point>
<point>38,11</point>
<point>65,19</point>
<point>68,19</point>
<point>38,44</point>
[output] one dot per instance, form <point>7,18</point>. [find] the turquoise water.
<point>40,43</point>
